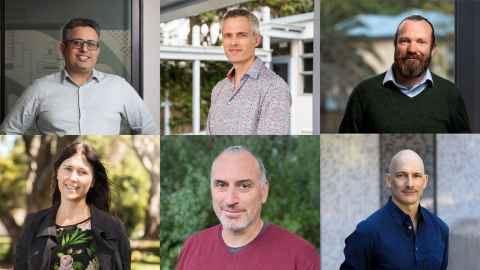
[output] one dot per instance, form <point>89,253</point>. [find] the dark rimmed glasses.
<point>92,45</point>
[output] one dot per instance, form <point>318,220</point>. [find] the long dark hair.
<point>99,194</point>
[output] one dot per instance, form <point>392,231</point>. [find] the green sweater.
<point>377,108</point>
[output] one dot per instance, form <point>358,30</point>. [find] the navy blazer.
<point>34,247</point>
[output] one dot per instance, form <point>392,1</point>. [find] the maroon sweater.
<point>273,249</point>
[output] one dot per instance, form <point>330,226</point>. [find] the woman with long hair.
<point>77,232</point>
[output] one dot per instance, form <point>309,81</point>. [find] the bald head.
<point>236,153</point>
<point>405,156</point>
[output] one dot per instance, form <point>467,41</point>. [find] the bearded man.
<point>408,98</point>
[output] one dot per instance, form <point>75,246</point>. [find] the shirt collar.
<point>253,71</point>
<point>400,217</point>
<point>389,77</point>
<point>96,75</point>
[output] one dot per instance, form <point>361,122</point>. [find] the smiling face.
<point>239,40</point>
<point>74,177</point>
<point>407,179</point>
<point>413,49</point>
<point>237,193</point>
<point>80,60</point>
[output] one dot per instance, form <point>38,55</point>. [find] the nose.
<point>412,47</point>
<point>74,176</point>
<point>233,41</point>
<point>231,197</point>
<point>84,47</point>
<point>410,181</point>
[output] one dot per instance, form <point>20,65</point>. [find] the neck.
<point>241,69</point>
<point>70,212</point>
<point>410,209</point>
<point>409,82</point>
<point>80,78</point>
<point>243,237</point>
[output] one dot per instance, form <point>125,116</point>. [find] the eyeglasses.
<point>92,45</point>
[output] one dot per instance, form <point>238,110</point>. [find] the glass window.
<point>33,31</point>
<point>307,67</point>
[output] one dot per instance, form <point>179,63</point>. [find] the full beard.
<point>411,70</point>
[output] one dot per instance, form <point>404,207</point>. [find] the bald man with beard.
<point>402,235</point>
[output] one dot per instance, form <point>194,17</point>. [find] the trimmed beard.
<point>411,71</point>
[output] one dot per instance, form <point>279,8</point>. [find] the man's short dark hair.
<point>79,22</point>
<point>415,18</point>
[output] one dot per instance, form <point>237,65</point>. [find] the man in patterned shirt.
<point>251,100</point>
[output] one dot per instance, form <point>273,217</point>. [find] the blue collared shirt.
<point>105,105</point>
<point>409,91</point>
<point>387,240</point>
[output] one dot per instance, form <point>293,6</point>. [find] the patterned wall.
<point>458,198</point>
<point>349,190</point>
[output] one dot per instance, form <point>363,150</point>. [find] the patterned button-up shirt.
<point>260,106</point>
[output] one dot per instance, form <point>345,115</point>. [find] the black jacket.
<point>34,248</point>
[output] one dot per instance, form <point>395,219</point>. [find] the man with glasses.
<point>251,100</point>
<point>80,99</point>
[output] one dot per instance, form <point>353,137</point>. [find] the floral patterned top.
<point>76,248</point>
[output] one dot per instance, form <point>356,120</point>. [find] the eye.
<point>220,184</point>
<point>92,44</point>
<point>245,186</point>
<point>243,35</point>
<point>77,42</point>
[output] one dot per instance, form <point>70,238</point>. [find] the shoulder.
<point>372,223</point>
<point>203,236</point>
<point>219,87</point>
<point>445,85</point>
<point>439,223</point>
<point>289,240</point>
<point>46,83</point>
<point>114,81</point>
<point>370,85</point>
<point>37,217</point>
<point>221,84</point>
<point>274,81</point>
<point>290,244</point>
<point>107,221</point>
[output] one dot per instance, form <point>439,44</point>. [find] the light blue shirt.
<point>105,105</point>
<point>409,91</point>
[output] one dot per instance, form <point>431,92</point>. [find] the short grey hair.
<point>241,12</point>
<point>237,149</point>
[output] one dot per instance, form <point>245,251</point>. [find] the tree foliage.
<point>26,184</point>
<point>292,165</point>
